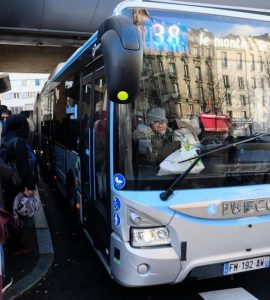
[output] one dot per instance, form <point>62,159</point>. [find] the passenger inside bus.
<point>155,140</point>
<point>100,117</point>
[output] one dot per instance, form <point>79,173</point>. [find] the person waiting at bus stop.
<point>15,142</point>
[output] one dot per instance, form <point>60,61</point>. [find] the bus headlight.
<point>150,237</point>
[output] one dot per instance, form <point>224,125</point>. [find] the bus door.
<point>96,204</point>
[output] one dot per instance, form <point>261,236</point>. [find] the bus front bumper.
<point>142,267</point>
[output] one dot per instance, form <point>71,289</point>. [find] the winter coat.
<point>162,146</point>
<point>15,142</point>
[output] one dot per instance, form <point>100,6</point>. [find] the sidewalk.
<point>28,270</point>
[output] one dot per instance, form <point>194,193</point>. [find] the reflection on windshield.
<point>205,83</point>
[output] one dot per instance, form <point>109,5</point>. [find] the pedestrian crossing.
<point>228,294</point>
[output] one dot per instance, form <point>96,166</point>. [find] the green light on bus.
<point>122,95</point>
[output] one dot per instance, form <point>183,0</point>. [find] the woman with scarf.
<point>14,141</point>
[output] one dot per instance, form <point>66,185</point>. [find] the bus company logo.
<point>95,48</point>
<point>247,207</point>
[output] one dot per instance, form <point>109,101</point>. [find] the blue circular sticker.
<point>116,220</point>
<point>116,204</point>
<point>119,181</point>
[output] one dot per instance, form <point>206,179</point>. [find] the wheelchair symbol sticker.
<point>119,181</point>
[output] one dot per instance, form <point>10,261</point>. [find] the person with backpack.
<point>14,149</point>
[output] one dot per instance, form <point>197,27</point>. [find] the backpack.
<point>8,169</point>
<point>25,206</point>
<point>10,165</point>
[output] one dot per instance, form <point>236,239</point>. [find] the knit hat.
<point>157,114</point>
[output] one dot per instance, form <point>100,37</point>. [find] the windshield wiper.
<point>165,195</point>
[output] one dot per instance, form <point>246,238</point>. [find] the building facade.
<point>24,89</point>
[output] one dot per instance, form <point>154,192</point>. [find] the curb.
<point>45,260</point>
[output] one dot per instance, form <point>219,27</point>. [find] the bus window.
<point>100,119</point>
<point>66,118</point>
<point>85,139</point>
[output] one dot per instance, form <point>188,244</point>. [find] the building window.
<point>240,83</point>
<point>261,63</point>
<point>243,100</point>
<point>146,85</point>
<point>142,86</point>
<point>228,99</point>
<point>37,82</point>
<point>196,52</point>
<point>31,95</point>
<point>198,74</point>
<point>208,52</point>
<point>164,86</point>
<point>263,100</point>
<point>149,67</point>
<point>262,83</point>
<point>253,82</point>
<point>226,81</point>
<point>212,94</point>
<point>16,110</point>
<point>210,75</point>
<point>244,114</point>
<point>160,65</point>
<point>16,95</point>
<point>229,112</point>
<point>175,88</point>
<point>252,61</point>
<point>30,82</point>
<point>191,109</point>
<point>224,61</point>
<point>172,68</point>
<point>239,61</point>
<point>186,71</point>
<point>188,89</point>
<point>201,94</point>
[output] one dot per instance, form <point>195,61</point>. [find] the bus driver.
<point>159,141</point>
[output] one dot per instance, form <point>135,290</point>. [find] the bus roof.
<point>69,65</point>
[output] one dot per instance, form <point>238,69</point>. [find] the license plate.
<point>245,265</point>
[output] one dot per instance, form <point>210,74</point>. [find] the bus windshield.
<point>205,83</point>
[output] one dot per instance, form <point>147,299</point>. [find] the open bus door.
<point>94,161</point>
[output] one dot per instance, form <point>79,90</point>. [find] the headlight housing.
<point>150,237</point>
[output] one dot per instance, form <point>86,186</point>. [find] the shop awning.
<point>215,123</point>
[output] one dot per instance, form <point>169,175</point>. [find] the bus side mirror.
<point>122,51</point>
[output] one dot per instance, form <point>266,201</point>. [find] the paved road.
<point>78,274</point>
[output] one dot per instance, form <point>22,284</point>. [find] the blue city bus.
<point>157,132</point>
